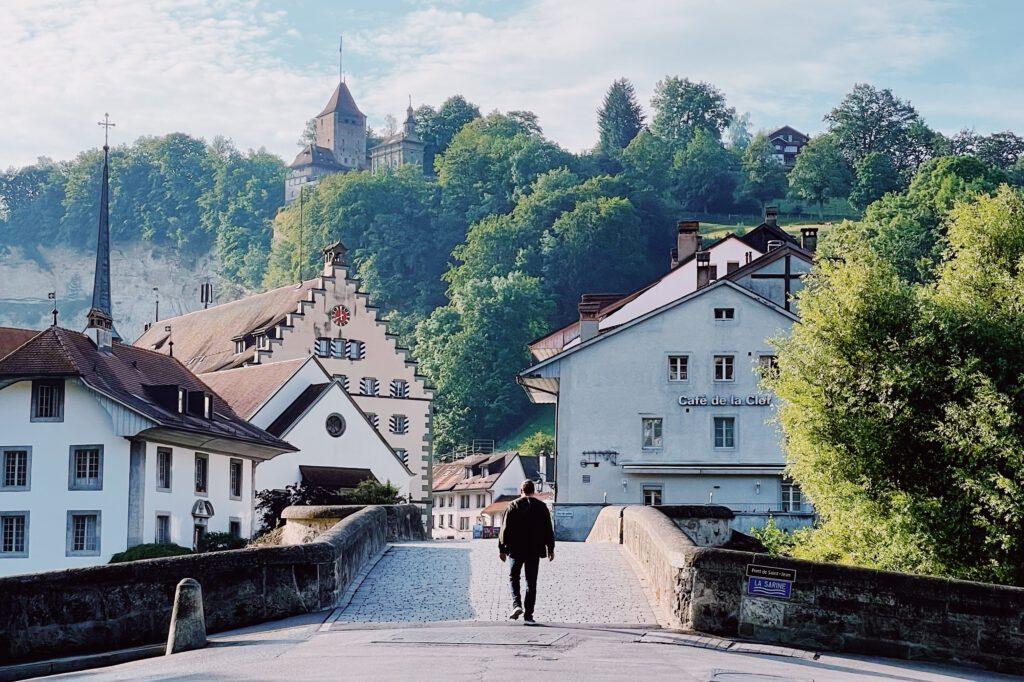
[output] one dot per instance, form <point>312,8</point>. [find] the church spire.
<point>100,316</point>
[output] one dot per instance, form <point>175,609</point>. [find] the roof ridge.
<point>237,300</point>
<point>67,353</point>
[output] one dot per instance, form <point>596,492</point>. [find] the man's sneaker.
<point>516,612</point>
<point>529,620</point>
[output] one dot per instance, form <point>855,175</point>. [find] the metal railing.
<point>765,508</point>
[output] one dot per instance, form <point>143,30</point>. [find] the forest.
<point>494,247</point>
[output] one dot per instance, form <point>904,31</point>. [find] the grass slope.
<point>539,418</point>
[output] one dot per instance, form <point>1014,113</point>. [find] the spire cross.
<point>107,125</point>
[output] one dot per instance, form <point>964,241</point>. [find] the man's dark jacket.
<point>527,530</point>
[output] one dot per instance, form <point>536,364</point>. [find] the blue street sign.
<point>767,587</point>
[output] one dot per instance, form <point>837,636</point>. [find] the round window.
<point>335,425</point>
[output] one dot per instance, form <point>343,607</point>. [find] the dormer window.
<point>239,346</point>
<point>208,406</point>
<point>264,341</point>
<point>182,399</point>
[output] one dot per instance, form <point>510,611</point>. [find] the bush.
<point>775,540</point>
<point>218,542</point>
<point>151,550</point>
<point>271,502</point>
<point>372,492</point>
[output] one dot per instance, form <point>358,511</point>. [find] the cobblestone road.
<point>450,581</point>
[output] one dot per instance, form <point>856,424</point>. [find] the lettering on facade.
<point>725,400</point>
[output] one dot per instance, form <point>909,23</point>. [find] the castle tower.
<point>341,127</point>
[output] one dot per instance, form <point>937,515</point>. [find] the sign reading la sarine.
<point>725,400</point>
<point>770,581</point>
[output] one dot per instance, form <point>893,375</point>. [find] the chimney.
<point>706,272</point>
<point>687,241</point>
<point>771,215</point>
<point>774,244</point>
<point>809,238</point>
<point>589,319</point>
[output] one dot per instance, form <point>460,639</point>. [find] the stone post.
<point>188,624</point>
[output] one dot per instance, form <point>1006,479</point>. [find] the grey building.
<point>402,148</point>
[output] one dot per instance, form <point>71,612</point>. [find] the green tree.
<point>437,127</point>
<point>901,404</point>
<point>764,178</point>
<point>308,135</point>
<point>738,135</point>
<point>875,176</point>
<point>472,348</point>
<point>821,173</point>
<point>374,492</point>
<point>871,119</point>
<point>1001,150</point>
<point>705,173</point>
<point>682,107</point>
<point>538,444</point>
<point>619,119</point>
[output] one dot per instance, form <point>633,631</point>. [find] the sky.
<point>255,70</point>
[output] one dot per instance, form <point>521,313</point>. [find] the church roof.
<point>314,155</point>
<point>245,389</point>
<point>341,102</point>
<point>12,337</point>
<point>123,375</point>
<point>204,339</point>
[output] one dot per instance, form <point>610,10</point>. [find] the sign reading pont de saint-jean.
<point>723,400</point>
<point>770,581</point>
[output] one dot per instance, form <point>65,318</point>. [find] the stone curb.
<point>72,664</point>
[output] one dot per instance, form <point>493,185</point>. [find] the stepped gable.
<point>12,337</point>
<point>245,389</point>
<point>204,339</point>
<point>122,374</point>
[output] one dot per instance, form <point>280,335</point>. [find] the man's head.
<point>526,488</point>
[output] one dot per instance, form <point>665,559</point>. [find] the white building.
<point>298,400</point>
<point>657,394</point>
<point>465,488</point>
<point>108,446</point>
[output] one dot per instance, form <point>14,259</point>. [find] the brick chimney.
<point>706,272</point>
<point>809,238</point>
<point>589,319</point>
<point>687,241</point>
<point>771,215</point>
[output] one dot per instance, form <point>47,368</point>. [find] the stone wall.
<point>88,610</point>
<point>832,607</point>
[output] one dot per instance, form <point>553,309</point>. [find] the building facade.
<point>404,147</point>
<point>658,398</point>
<point>465,488</point>
<point>327,317</point>
<point>787,142</point>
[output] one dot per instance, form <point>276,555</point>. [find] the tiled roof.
<point>315,155</point>
<point>477,482</point>
<point>12,337</point>
<point>455,475</point>
<point>342,102</point>
<point>335,477</point>
<point>203,340</point>
<point>123,375</point>
<point>246,388</point>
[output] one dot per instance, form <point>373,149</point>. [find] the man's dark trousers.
<point>517,565</point>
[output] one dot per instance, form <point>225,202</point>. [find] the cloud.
<point>211,67</point>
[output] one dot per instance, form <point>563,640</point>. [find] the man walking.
<point>526,536</point>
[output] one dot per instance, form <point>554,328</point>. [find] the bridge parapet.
<point>827,606</point>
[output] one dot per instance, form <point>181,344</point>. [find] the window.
<point>163,529</point>
<point>86,467</point>
<point>343,380</point>
<point>235,527</point>
<point>235,479</point>
<point>678,366</point>
<point>399,388</point>
<point>202,473</point>
<point>480,501</point>
<point>724,368</point>
<point>263,341</point>
<point>335,425</point>
<point>792,497</point>
<point>463,501</point>
<point>731,266</point>
<point>652,495</point>
<point>163,469</point>
<point>586,478</point>
<point>725,314</point>
<point>399,423</point>
<point>83,533</point>
<point>451,522</point>
<point>768,365</point>
<point>369,386</point>
<point>463,523</point>
<point>47,401</point>
<point>402,455</point>
<point>338,348</point>
<point>15,462</point>
<point>433,522</point>
<point>725,432</point>
<point>356,350</point>
<point>652,432</point>
<point>239,346</point>
<point>322,348</point>
<point>14,534</point>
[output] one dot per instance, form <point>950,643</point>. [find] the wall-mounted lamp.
<point>757,488</point>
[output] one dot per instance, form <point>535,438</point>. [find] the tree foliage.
<point>821,172</point>
<point>682,107</point>
<point>764,178</point>
<point>901,404</point>
<point>619,119</point>
<point>437,127</point>
<point>875,177</point>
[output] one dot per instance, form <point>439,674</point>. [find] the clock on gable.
<point>340,315</point>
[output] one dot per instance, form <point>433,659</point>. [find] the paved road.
<point>465,581</point>
<point>299,649</point>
